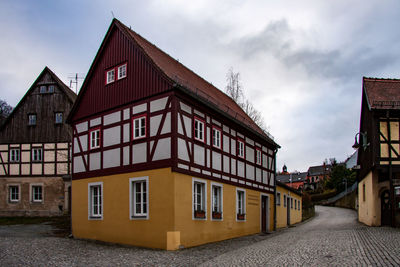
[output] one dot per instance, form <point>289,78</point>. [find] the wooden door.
<point>264,214</point>
<point>386,216</point>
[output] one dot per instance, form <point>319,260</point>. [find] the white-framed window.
<point>110,76</point>
<point>216,137</point>
<point>32,119</point>
<point>240,148</point>
<point>37,192</point>
<point>216,201</point>
<point>284,201</point>
<point>278,198</point>
<point>13,191</point>
<point>199,199</point>
<point>51,88</point>
<point>94,138</point>
<point>198,129</point>
<point>240,204</point>
<point>58,117</point>
<point>122,71</point>
<point>43,89</point>
<point>95,200</point>
<point>14,155</point>
<point>139,197</point>
<point>139,127</point>
<point>258,156</point>
<point>37,154</point>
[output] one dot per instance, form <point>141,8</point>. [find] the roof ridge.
<point>382,79</point>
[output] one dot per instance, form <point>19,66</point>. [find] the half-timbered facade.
<point>379,153</point>
<point>35,147</point>
<point>162,158</point>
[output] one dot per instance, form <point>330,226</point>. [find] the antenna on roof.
<point>74,79</point>
<point>112,14</point>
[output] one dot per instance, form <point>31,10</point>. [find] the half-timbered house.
<point>162,158</point>
<point>379,153</point>
<point>35,145</point>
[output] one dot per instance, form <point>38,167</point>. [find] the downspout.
<point>275,151</point>
<point>392,210</point>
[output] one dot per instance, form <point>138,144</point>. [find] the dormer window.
<point>31,119</point>
<point>122,71</point>
<point>110,76</point>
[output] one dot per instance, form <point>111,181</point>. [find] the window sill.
<point>96,218</point>
<point>144,217</point>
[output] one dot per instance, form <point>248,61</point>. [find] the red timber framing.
<point>58,151</point>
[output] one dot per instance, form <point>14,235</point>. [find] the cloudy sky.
<point>301,62</point>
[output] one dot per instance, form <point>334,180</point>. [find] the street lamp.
<point>364,141</point>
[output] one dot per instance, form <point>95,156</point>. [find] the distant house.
<point>317,174</point>
<point>378,153</point>
<point>296,180</point>
<point>35,146</point>
<point>288,205</point>
<point>162,158</point>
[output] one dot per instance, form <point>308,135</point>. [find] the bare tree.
<point>5,110</point>
<point>234,89</point>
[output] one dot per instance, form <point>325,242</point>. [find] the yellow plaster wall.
<point>281,210</point>
<point>116,226</point>
<point>369,206</point>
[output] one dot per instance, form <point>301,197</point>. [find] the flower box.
<point>201,214</point>
<point>241,216</point>
<point>217,215</point>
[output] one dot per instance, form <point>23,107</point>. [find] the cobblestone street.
<point>332,238</point>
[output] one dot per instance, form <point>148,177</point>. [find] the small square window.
<point>139,127</point>
<point>110,76</point>
<point>216,137</point>
<point>32,119</point>
<point>43,89</point>
<point>51,88</point>
<point>14,155</point>
<point>37,193</point>
<point>13,193</point>
<point>59,117</point>
<point>37,154</point>
<point>94,138</point>
<point>95,200</point>
<point>240,148</point>
<point>199,130</point>
<point>122,71</point>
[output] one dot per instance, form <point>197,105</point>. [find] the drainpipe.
<point>392,206</point>
<point>275,151</point>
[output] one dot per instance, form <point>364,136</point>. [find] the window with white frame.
<point>139,197</point>
<point>216,201</point>
<point>51,88</point>
<point>14,155</point>
<point>199,199</point>
<point>32,119</point>
<point>198,129</point>
<point>240,204</point>
<point>216,137</point>
<point>13,193</point>
<point>110,76</point>
<point>95,200</point>
<point>240,148</point>
<point>58,117</point>
<point>139,127</point>
<point>43,89</point>
<point>94,138</point>
<point>37,193</point>
<point>37,154</point>
<point>258,156</point>
<point>122,71</point>
<point>278,198</point>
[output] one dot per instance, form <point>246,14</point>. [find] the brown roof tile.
<point>382,93</point>
<point>183,76</point>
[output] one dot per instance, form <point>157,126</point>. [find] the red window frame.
<point>238,141</point>
<point>220,136</point>
<point>90,138</point>
<point>261,155</point>
<point>116,74</point>
<point>133,126</point>
<point>194,129</point>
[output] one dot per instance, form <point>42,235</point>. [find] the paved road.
<point>332,238</point>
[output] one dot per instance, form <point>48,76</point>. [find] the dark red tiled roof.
<point>183,76</point>
<point>382,93</point>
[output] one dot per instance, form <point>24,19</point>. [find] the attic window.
<point>110,76</point>
<point>43,89</point>
<point>116,73</point>
<point>32,119</point>
<point>122,71</point>
<point>51,89</point>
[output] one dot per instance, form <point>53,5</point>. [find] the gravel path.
<point>332,238</point>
